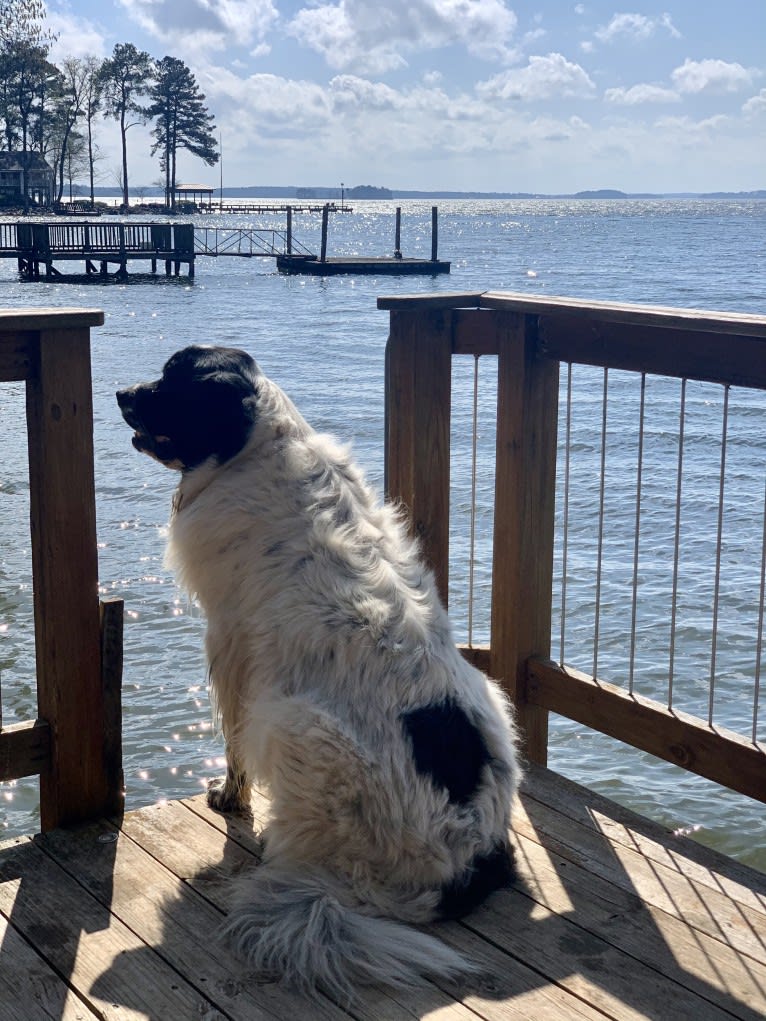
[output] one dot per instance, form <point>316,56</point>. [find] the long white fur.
<point>323,627</point>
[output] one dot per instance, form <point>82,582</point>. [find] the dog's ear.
<point>222,410</point>
<point>212,417</point>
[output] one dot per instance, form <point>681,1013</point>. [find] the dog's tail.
<point>293,926</point>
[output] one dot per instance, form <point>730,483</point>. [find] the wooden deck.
<point>614,918</point>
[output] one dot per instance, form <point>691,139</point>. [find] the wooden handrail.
<point>78,662</point>
<point>531,336</point>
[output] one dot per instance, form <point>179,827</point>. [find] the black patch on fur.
<point>485,874</point>
<point>203,405</point>
<point>447,747</point>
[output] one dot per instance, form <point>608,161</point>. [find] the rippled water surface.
<point>323,341</point>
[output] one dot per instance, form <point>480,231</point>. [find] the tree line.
<point>53,110</point>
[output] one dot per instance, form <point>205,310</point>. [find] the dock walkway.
<point>614,917</point>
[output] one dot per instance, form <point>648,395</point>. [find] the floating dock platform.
<point>372,265</point>
<point>359,264</point>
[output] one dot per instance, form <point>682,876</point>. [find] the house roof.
<point>12,161</point>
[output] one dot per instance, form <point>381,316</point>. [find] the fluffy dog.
<point>389,760</point>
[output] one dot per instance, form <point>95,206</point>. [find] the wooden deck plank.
<point>119,976</point>
<point>656,843</point>
<point>30,990</point>
<point>699,963</point>
<point>167,914</point>
<point>699,904</point>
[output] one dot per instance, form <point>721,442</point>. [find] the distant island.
<point>321,193</point>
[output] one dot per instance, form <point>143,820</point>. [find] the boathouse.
<point>111,911</point>
<point>191,198</point>
<point>25,170</point>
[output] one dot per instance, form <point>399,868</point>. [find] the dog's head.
<point>202,406</point>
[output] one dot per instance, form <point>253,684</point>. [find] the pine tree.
<point>126,79</point>
<point>183,121</point>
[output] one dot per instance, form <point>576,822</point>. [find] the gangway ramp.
<point>247,242</point>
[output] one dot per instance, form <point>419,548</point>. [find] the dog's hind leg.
<point>232,792</point>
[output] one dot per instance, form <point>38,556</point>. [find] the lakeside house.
<point>39,179</point>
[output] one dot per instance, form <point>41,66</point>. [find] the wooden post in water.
<point>289,230</point>
<point>398,232</point>
<point>434,232</point>
<point>325,215</point>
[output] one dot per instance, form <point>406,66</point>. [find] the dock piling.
<point>325,215</point>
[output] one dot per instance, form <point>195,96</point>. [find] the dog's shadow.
<point>187,969</point>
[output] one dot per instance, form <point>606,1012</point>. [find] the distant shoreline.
<point>334,194</point>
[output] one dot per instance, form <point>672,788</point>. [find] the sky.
<point>552,96</point>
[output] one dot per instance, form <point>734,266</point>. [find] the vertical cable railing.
<point>472,537</point>
<point>759,636</point>
<point>565,522</point>
<point>718,545</point>
<point>676,546</point>
<point>637,534</point>
<point>600,544</point>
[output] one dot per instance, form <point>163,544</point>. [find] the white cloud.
<point>711,76</point>
<point>756,105</point>
<point>204,25</point>
<point>542,78</point>
<point>367,35</point>
<point>689,132</point>
<point>76,37</point>
<point>635,26</point>
<point>644,93</point>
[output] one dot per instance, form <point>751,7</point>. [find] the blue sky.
<point>480,95</point>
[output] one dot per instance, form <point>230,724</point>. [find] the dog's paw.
<point>222,797</point>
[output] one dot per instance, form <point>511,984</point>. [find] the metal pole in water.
<point>434,232</point>
<point>325,214</point>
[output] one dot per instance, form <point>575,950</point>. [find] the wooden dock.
<point>106,250</point>
<point>613,918</point>
<point>259,208</point>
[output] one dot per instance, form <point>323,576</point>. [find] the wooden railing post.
<point>525,486</point>
<point>65,576</point>
<point>418,395</point>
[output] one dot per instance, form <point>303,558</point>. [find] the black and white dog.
<point>390,761</point>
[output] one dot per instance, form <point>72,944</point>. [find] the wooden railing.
<point>531,337</point>
<point>74,744</point>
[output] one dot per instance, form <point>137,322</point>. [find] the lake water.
<point>323,340</point>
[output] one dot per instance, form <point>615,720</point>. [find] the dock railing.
<point>74,744</point>
<point>536,344</point>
